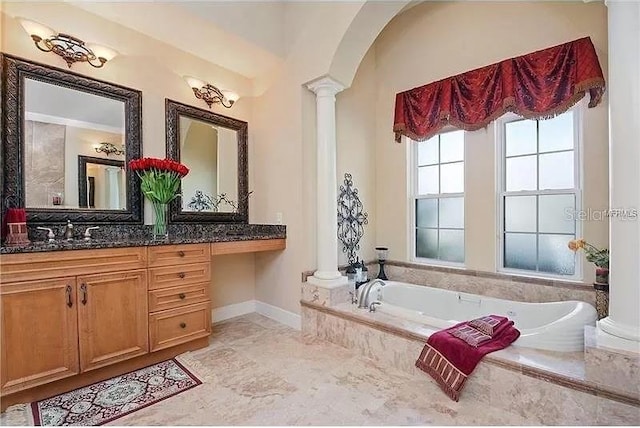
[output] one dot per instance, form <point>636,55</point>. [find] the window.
<point>539,194</point>
<point>438,198</point>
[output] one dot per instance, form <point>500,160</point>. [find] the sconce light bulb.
<point>230,95</point>
<point>36,29</point>
<point>193,82</point>
<point>102,51</point>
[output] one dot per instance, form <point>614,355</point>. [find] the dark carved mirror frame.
<point>14,71</point>
<point>82,175</point>
<point>174,110</point>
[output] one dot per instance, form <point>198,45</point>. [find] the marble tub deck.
<point>259,372</point>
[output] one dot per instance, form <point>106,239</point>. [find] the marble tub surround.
<point>118,236</point>
<point>502,286</point>
<point>398,343</point>
<point>325,296</point>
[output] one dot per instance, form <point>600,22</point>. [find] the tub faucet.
<point>364,294</point>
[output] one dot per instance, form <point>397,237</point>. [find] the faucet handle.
<point>51,236</point>
<point>87,233</point>
<point>372,306</point>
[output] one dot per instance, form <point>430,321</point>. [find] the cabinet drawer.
<point>55,264</point>
<point>167,255</point>
<point>175,276</point>
<point>175,297</point>
<point>175,326</point>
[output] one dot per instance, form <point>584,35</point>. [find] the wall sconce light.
<point>109,149</point>
<point>70,48</point>
<point>210,94</point>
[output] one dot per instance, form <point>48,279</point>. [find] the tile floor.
<point>259,372</point>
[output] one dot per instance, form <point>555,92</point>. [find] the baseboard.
<point>243,308</point>
<point>275,313</point>
<point>231,311</point>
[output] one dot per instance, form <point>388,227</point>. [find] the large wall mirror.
<point>214,148</point>
<point>66,144</point>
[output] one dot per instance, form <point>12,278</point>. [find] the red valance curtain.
<point>538,85</point>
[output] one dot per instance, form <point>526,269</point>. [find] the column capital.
<point>325,85</point>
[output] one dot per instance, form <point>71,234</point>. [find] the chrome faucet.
<point>364,294</point>
<point>68,231</point>
<point>87,233</point>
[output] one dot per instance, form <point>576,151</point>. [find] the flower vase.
<point>602,275</point>
<point>160,221</point>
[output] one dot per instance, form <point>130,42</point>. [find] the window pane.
<point>520,214</point>
<point>557,133</point>
<point>428,151</point>
<point>452,176</point>
<point>452,213</point>
<point>452,146</point>
<point>452,245</point>
<point>520,137</point>
<point>427,213</point>
<point>428,180</point>
<point>556,213</point>
<point>427,243</point>
<point>520,251</point>
<point>521,173</point>
<point>556,171</point>
<point>555,257</point>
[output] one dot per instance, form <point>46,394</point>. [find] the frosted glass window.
<point>521,137</point>
<point>427,243</point>
<point>553,255</point>
<point>538,195</point>
<point>452,146</point>
<point>451,245</point>
<point>427,213</point>
<point>520,251</point>
<point>556,214</point>
<point>520,214</point>
<point>428,180</point>
<point>452,213</point>
<point>521,173</point>
<point>439,198</point>
<point>452,178</point>
<point>556,170</point>
<point>428,151</point>
<point>556,134</point>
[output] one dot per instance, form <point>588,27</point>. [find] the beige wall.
<point>438,39</point>
<point>145,64</point>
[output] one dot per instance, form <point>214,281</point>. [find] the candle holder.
<point>382,258</point>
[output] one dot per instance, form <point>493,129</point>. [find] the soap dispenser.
<point>68,232</point>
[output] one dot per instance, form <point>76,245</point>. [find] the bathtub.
<point>555,326</point>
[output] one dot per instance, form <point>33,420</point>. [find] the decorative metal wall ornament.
<point>351,218</point>
<point>109,149</point>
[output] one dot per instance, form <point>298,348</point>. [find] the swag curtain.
<point>538,85</point>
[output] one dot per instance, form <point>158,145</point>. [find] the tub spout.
<point>363,301</point>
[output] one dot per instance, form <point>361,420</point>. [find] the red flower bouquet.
<point>160,180</point>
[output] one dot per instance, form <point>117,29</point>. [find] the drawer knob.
<point>183,325</point>
<point>182,296</point>
<point>181,253</point>
<point>181,275</point>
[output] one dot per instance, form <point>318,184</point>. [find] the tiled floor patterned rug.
<point>111,399</point>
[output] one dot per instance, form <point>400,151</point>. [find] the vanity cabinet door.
<point>112,318</point>
<point>39,333</point>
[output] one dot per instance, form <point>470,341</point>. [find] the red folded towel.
<point>450,360</point>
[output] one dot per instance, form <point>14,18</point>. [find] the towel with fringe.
<point>449,359</point>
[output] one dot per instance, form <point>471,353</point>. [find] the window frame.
<point>501,192</point>
<point>414,197</point>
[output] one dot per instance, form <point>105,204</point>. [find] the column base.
<point>328,282</point>
<point>613,335</point>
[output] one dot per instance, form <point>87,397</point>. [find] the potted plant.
<point>160,181</point>
<point>599,257</point>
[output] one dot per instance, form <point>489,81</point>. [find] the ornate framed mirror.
<point>214,148</point>
<point>55,125</point>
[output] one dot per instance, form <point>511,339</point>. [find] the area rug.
<point>111,399</point>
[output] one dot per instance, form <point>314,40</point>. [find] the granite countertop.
<point>119,236</point>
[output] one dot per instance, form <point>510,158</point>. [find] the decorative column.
<point>327,274</point>
<point>621,329</point>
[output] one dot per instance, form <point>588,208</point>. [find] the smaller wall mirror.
<point>214,148</point>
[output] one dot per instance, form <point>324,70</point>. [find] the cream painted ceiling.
<point>245,37</point>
